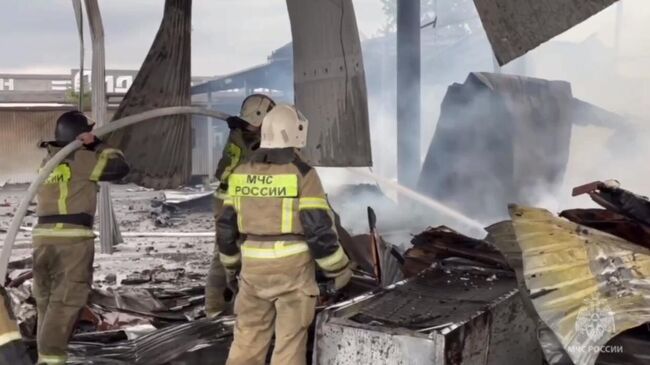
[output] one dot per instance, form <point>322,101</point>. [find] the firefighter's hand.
<point>87,138</point>
<point>340,278</point>
<point>231,279</point>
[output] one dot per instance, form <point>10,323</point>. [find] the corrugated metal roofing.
<point>330,82</point>
<point>515,27</point>
<point>586,285</point>
<point>159,151</point>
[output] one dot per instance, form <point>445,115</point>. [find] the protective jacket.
<point>277,197</point>
<point>67,200</point>
<point>238,148</point>
<point>276,201</point>
<point>64,242</point>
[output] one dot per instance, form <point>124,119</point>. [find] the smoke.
<point>599,71</point>
<point>606,64</point>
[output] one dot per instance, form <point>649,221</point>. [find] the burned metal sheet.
<point>515,27</point>
<point>340,343</point>
<point>438,243</point>
<point>497,129</point>
<point>329,81</point>
<point>635,342</point>
<point>587,286</point>
<point>450,315</point>
<point>612,223</point>
<point>159,151</point>
<point>502,235</point>
<point>158,347</point>
<point>624,202</point>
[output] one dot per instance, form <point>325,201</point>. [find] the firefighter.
<point>244,137</point>
<point>12,348</point>
<point>277,202</point>
<point>63,238</point>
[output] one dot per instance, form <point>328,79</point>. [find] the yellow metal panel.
<point>586,285</point>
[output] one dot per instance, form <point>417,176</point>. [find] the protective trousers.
<point>215,285</point>
<point>275,295</point>
<point>62,280</point>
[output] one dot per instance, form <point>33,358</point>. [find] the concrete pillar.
<point>408,92</point>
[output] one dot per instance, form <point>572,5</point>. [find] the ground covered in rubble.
<point>138,261</point>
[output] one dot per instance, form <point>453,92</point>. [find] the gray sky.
<point>39,36</point>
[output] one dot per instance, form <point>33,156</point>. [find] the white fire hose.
<point>65,151</point>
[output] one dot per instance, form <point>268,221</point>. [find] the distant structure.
<point>30,103</point>
<point>63,88</point>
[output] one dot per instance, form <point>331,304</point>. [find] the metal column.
<point>109,233</point>
<point>78,12</point>
<point>408,92</point>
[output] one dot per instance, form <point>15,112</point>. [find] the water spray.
<point>475,225</point>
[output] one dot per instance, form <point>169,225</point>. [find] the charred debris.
<point>444,298</point>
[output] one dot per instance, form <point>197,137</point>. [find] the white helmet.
<point>255,107</point>
<point>283,127</point>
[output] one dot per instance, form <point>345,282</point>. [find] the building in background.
<point>30,104</point>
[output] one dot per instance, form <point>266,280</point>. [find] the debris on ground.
<point>172,207</point>
<point>463,299</point>
<point>587,275</point>
<point>442,242</point>
<point>459,309</point>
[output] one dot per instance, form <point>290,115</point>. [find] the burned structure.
<point>444,299</point>
<point>502,139</point>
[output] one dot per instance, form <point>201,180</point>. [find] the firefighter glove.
<point>235,122</point>
<point>231,279</point>
<point>340,278</point>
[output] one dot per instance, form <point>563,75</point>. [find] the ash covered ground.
<point>174,261</point>
<point>179,261</point>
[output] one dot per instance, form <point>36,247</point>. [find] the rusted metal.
<point>586,188</point>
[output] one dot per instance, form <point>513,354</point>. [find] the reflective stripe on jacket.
<point>71,189</point>
<point>237,149</point>
<point>276,194</point>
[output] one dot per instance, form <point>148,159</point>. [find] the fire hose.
<point>65,151</point>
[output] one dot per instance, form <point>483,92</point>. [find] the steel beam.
<point>408,92</point>
<point>109,230</point>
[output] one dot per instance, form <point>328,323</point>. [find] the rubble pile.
<point>517,296</point>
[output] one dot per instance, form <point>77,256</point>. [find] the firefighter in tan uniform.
<point>63,238</point>
<point>12,348</point>
<point>277,202</point>
<point>244,137</point>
